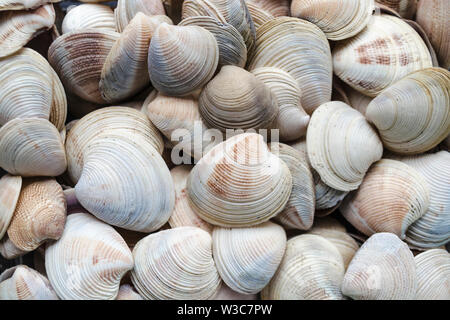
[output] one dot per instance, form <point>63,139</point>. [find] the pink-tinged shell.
<point>10,187</point>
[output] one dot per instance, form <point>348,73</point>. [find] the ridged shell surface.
<point>433,275</point>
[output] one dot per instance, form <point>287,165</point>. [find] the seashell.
<point>392,196</point>
<point>182,214</point>
<point>175,264</point>
<point>237,99</point>
<point>277,8</point>
<point>305,52</point>
<point>126,10</point>
<point>382,269</point>
<point>31,147</point>
<point>23,4</point>
<point>292,120</point>
<point>8,250</point>
<point>19,27</point>
<point>232,48</point>
<point>78,58</point>
<point>239,183</point>
<point>127,292</point>
<point>9,194</point>
<point>432,15</point>
<point>299,210</point>
<point>413,115</point>
<point>58,111</point>
<point>88,261</point>
<point>433,275</point>
<point>40,214</point>
<point>247,258</point>
<point>334,129</point>
<point>89,16</point>
<point>406,8</point>
<point>383,53</point>
<point>259,16</point>
<point>194,52</point>
<point>311,269</point>
<point>358,100</point>
<point>23,283</point>
<point>225,293</point>
<point>339,20</point>
<point>125,71</point>
<point>433,228</point>
<point>335,232</point>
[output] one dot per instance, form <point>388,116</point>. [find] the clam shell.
<point>8,250</point>
<point>433,275</point>
<point>181,59</point>
<point>58,111</point>
<point>382,269</point>
<point>405,8</point>
<point>88,261</point>
<point>23,283</point>
<point>259,16</point>
<point>338,19</point>
<point>23,4</point>
<point>19,27</point>
<point>311,269</point>
<point>89,16</point>
<point>247,258</point>
<point>239,183</point>
<point>392,196</point>
<point>126,10</point>
<point>175,264</point>
<point>40,214</point>
<point>413,115</point>
<point>10,187</point>
<point>31,147</point>
<point>292,120</point>
<point>277,8</point>
<point>127,292</point>
<point>237,99</point>
<point>301,49</point>
<point>383,53</point>
<point>341,145</point>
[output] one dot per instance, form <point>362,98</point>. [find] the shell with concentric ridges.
<point>433,275</point>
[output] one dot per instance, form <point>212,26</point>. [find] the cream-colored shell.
<point>277,8</point>
<point>89,16</point>
<point>126,10</point>
<point>23,4</point>
<point>433,275</point>
<point>10,187</point>
<point>8,250</point>
<point>259,16</point>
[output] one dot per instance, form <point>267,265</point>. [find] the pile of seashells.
<point>347,197</point>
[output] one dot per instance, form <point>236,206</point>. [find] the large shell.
<point>126,10</point>
<point>413,115</point>
<point>10,187</point>
<point>383,53</point>
<point>239,183</point>
<point>392,196</point>
<point>19,27</point>
<point>299,210</point>
<point>237,99</point>
<point>175,264</point>
<point>341,145</point>
<point>292,120</point>
<point>87,16</point>
<point>338,19</point>
<point>32,147</point>
<point>247,258</point>
<point>382,269</point>
<point>277,8</point>
<point>405,8</point>
<point>78,58</point>
<point>182,59</point>
<point>88,261</point>
<point>433,275</point>
<point>301,49</point>
<point>23,4</point>
<point>40,214</point>
<point>23,283</point>
<point>311,269</point>
<point>432,15</point>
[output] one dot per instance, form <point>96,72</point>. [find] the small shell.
<point>413,115</point>
<point>182,59</point>
<point>127,292</point>
<point>341,145</point>
<point>32,147</point>
<point>126,10</point>
<point>406,8</point>
<point>247,258</point>
<point>40,214</point>
<point>383,53</point>
<point>175,264</point>
<point>9,194</point>
<point>23,4</point>
<point>88,261</point>
<point>382,269</point>
<point>89,16</point>
<point>338,19</point>
<point>237,99</point>
<point>392,196</point>
<point>433,275</point>
<point>23,283</point>
<point>239,183</point>
<point>19,27</point>
<point>311,269</point>
<point>277,8</point>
